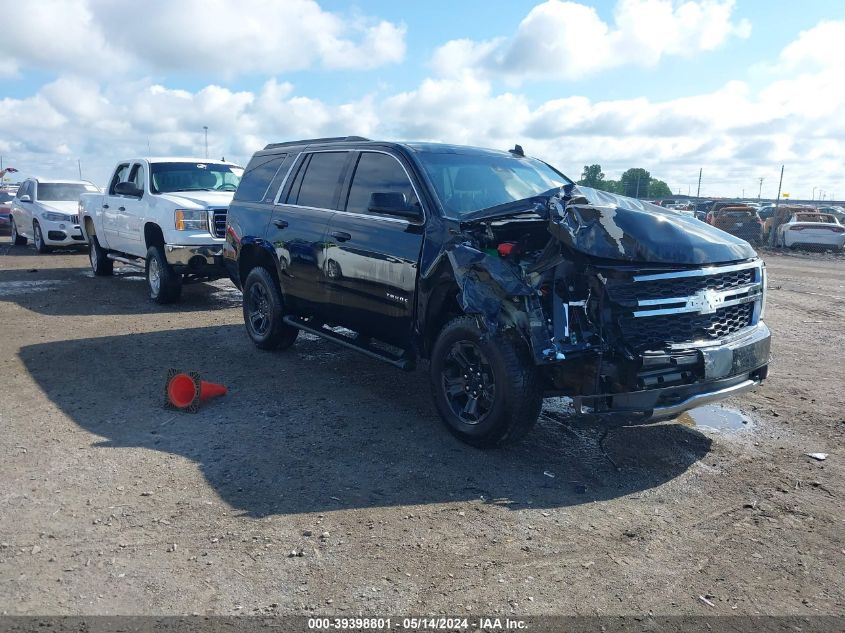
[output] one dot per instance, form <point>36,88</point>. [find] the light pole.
<point>813,197</point>
<point>205,127</point>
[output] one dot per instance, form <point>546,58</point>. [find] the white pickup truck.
<point>165,215</point>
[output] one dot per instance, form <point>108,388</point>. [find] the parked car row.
<point>512,282</point>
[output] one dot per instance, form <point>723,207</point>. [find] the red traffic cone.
<point>185,391</point>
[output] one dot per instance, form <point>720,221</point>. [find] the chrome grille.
<point>631,293</point>
<point>668,329</point>
<point>687,306</point>
<point>219,221</point>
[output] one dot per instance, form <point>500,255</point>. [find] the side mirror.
<point>25,198</point>
<point>128,189</point>
<point>393,203</point>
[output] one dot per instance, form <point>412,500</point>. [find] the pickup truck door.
<point>297,229</point>
<point>111,208</point>
<point>371,256</point>
<point>131,214</point>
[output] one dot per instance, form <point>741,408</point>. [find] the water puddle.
<point>715,417</point>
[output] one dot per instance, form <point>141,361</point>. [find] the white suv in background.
<point>46,211</point>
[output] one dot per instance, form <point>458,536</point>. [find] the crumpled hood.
<point>68,207</point>
<point>608,226</point>
<point>203,199</point>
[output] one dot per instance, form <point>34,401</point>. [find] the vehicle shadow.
<point>319,428</point>
<point>83,294</point>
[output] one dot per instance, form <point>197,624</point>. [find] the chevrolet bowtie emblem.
<point>706,301</point>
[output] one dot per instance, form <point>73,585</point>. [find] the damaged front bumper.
<point>730,369</point>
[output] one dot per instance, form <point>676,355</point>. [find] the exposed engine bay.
<point>607,303</point>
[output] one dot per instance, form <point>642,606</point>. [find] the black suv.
<point>513,282</point>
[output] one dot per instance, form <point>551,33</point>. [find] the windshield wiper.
<point>196,189</point>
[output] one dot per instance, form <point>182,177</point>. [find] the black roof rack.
<point>311,141</point>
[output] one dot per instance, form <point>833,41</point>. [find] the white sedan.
<point>47,212</point>
<point>818,230</point>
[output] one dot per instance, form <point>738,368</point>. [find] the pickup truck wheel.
<point>485,387</point>
<point>263,311</point>
<point>17,238</point>
<point>100,263</point>
<point>165,285</point>
<point>38,239</point>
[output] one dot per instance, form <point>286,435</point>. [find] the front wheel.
<point>17,238</point>
<point>165,285</point>
<point>485,387</point>
<point>38,239</point>
<point>101,265</point>
<point>263,309</point>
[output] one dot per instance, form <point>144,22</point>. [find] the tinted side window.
<point>320,181</point>
<point>121,175</point>
<point>378,173</point>
<point>257,177</point>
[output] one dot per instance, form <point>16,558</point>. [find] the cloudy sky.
<point>734,87</point>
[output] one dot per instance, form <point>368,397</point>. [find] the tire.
<point>17,238</point>
<point>101,265</point>
<point>333,270</point>
<point>38,239</point>
<point>263,309</point>
<point>511,400</point>
<point>165,285</point>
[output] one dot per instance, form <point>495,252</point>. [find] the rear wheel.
<point>17,238</point>
<point>485,387</point>
<point>263,309</point>
<point>100,263</point>
<point>38,239</point>
<point>165,285</point>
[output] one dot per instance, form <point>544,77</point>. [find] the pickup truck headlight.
<point>191,220</point>
<point>55,217</point>
<point>765,281</point>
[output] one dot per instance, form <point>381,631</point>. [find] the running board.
<point>129,262</point>
<point>400,362</point>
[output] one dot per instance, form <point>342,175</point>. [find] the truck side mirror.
<point>25,198</point>
<point>128,189</point>
<point>393,203</point>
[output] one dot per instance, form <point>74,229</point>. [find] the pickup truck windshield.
<point>469,182</point>
<point>168,177</point>
<point>58,191</point>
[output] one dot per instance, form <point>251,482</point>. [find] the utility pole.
<point>205,127</point>
<point>698,193</point>
<point>760,190</point>
<point>780,184</point>
<point>637,195</point>
<point>79,164</point>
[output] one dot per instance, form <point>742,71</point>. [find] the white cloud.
<point>568,40</point>
<point>736,133</point>
<point>115,39</point>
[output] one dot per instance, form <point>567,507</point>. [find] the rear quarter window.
<point>257,177</point>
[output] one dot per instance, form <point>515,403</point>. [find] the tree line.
<point>634,183</point>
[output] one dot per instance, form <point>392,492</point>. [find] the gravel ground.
<point>324,482</point>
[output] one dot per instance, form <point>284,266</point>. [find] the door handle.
<point>121,208</point>
<point>105,206</point>
<point>341,236</point>
<point>282,224</point>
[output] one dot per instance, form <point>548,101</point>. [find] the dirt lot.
<point>110,504</point>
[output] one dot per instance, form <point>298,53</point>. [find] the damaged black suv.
<point>514,283</point>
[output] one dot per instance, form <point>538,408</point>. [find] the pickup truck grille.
<point>219,218</point>
<point>654,311</point>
